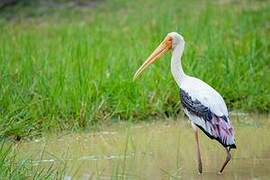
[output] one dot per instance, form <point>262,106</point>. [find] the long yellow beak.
<point>164,46</point>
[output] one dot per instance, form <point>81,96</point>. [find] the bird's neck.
<point>176,65</point>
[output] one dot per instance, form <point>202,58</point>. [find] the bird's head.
<point>170,42</point>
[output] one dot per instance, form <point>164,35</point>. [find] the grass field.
<point>67,68</point>
<point>12,168</point>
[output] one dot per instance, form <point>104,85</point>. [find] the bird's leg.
<point>228,158</point>
<point>198,148</point>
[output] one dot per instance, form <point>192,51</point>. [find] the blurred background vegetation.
<point>68,64</point>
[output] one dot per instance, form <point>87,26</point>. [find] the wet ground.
<point>164,149</point>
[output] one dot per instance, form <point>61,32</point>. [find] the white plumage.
<point>203,97</point>
<point>203,105</point>
<point>204,93</point>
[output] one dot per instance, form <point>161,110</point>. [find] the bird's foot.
<point>219,173</point>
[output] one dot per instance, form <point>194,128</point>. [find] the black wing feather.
<point>195,107</point>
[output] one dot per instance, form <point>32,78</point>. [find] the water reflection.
<point>159,150</point>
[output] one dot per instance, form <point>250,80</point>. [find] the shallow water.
<point>159,150</point>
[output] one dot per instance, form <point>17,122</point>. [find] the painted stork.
<point>203,105</point>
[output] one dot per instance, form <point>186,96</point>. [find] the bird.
<point>202,104</point>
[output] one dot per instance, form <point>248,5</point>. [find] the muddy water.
<point>160,150</point>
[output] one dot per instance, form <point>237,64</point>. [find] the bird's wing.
<point>206,95</point>
<point>207,109</point>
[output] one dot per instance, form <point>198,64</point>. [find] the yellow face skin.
<point>163,47</point>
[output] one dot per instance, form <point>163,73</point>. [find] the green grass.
<point>12,168</point>
<point>69,68</point>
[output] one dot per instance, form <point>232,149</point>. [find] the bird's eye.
<point>169,42</point>
<point>169,39</point>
